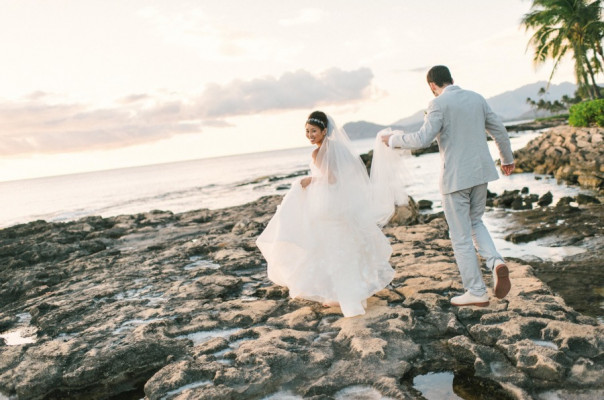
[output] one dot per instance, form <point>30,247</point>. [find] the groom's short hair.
<point>440,75</point>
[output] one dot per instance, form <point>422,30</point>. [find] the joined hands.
<point>386,139</point>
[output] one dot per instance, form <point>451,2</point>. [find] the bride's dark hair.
<point>318,119</point>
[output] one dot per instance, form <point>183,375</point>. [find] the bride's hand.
<point>305,181</point>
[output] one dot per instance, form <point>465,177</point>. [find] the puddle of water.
<point>284,395</point>
<point>23,334</point>
<point>24,318</point>
<point>66,337</point>
<point>436,386</point>
<point>570,395</point>
<point>498,368</point>
<point>132,293</point>
<point>186,387</point>
<point>19,336</point>
<point>143,293</point>
<point>545,343</point>
<point>232,346</point>
<point>250,288</point>
<point>360,393</point>
<point>460,385</point>
<point>153,301</point>
<point>600,318</point>
<point>204,336</point>
<point>198,262</point>
<point>133,323</point>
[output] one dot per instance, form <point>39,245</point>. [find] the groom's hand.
<point>508,169</point>
<point>386,139</point>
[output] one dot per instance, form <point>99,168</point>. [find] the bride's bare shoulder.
<point>314,153</point>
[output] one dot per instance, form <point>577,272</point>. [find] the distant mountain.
<point>510,106</point>
<point>413,122</point>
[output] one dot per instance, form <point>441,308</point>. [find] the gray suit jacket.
<point>458,119</point>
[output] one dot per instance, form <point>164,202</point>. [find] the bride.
<point>324,242</point>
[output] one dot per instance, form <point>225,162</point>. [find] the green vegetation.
<point>573,27</point>
<point>587,113</point>
<point>556,106</point>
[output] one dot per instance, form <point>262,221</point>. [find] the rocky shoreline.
<point>179,306</point>
<point>572,155</point>
<point>573,221</point>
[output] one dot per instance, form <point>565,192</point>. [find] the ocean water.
<point>182,186</point>
<point>209,183</point>
<point>206,183</point>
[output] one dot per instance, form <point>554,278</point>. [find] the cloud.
<point>34,127</point>
<point>134,98</point>
<point>293,90</point>
<point>43,123</point>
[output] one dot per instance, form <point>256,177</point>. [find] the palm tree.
<point>569,26</point>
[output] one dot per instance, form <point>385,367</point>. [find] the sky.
<point>89,85</point>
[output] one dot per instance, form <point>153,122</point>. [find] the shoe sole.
<point>503,281</point>
<point>483,304</point>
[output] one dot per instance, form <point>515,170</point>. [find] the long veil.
<point>324,242</point>
<point>341,184</point>
<point>389,177</point>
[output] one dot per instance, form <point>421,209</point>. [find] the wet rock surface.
<point>573,155</point>
<point>573,221</point>
<point>180,306</point>
<point>564,224</point>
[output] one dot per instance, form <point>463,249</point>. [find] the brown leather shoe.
<point>502,281</point>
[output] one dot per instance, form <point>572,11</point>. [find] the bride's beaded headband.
<point>317,121</point>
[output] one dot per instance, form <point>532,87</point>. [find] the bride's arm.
<point>331,179</point>
<point>307,181</point>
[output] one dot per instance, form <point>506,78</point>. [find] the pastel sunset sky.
<point>92,84</point>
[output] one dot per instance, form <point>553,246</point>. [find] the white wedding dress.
<point>324,242</point>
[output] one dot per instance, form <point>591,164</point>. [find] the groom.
<point>458,119</point>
